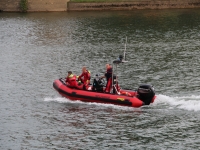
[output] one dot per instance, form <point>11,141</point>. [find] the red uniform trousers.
<point>108,85</point>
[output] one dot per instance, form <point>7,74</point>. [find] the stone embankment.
<point>34,5</point>
<point>135,4</point>
<point>66,5</point>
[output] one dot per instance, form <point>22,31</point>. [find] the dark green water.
<point>163,49</point>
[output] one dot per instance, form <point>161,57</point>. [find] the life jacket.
<point>86,76</point>
<point>72,77</point>
<point>71,80</point>
<point>89,75</point>
<point>109,70</point>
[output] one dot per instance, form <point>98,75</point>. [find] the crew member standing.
<point>85,78</point>
<point>108,76</point>
<point>71,80</point>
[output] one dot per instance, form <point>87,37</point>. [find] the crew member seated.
<point>71,80</point>
<point>117,89</point>
<point>85,78</point>
<point>97,85</point>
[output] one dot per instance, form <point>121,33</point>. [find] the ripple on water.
<point>37,48</point>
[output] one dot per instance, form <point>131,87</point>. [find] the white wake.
<point>65,100</point>
<point>191,103</point>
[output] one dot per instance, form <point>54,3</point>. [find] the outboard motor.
<point>146,93</point>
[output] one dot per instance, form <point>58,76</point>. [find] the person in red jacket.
<point>108,76</point>
<point>85,77</point>
<point>71,80</point>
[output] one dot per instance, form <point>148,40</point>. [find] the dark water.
<point>163,49</point>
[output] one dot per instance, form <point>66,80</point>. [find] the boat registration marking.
<point>121,99</point>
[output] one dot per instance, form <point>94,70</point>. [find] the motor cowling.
<point>146,93</point>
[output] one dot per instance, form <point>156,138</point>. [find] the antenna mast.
<point>125,50</point>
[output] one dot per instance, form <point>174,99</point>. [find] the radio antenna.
<point>125,50</point>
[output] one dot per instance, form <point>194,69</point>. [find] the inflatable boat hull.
<point>90,96</point>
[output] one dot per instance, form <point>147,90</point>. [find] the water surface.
<point>163,49</point>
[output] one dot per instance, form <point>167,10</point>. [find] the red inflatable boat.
<point>143,96</point>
